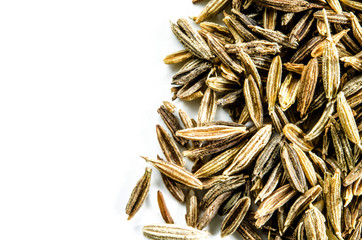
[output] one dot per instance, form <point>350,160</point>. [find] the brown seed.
<point>273,82</point>
<point>139,194</point>
<point>301,204</point>
<point>176,172</point>
<point>253,101</point>
<point>210,133</point>
<point>172,124</point>
<point>163,208</point>
<point>330,66</point>
<point>169,147</point>
<point>250,150</point>
<point>207,108</point>
<point>347,120</point>
<point>314,222</point>
<point>211,8</point>
<point>211,211</point>
<point>235,216</point>
<point>173,232</point>
<point>296,136</point>
<point>287,5</point>
<point>308,83</point>
<point>177,57</point>
<point>191,209</point>
<point>277,199</point>
<point>293,168</point>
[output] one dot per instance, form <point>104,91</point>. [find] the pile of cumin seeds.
<point>292,70</point>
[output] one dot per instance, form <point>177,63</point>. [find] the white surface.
<point>80,85</point>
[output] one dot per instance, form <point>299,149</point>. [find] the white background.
<point>80,85</point>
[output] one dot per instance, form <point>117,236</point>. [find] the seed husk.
<point>235,216</point>
<point>139,194</point>
<point>176,172</point>
<point>173,232</point>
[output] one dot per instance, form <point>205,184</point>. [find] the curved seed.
<point>173,232</point>
<point>191,209</point>
<point>315,226</point>
<point>245,156</point>
<point>288,91</point>
<point>210,133</point>
<point>218,163</point>
<point>301,204</point>
<point>176,172</point>
<point>267,158</point>
<point>253,101</point>
<point>271,184</point>
<point>308,83</point>
<point>318,128</point>
<point>307,166</point>
<point>293,168</point>
<point>211,211</point>
<point>296,136</point>
<point>139,194</point>
<point>277,199</point>
<point>163,208</point>
<point>235,216</point>
<point>273,82</point>
<point>347,120</point>
<point>169,147</point>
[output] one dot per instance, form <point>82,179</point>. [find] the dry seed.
<point>301,204</point>
<point>163,208</point>
<point>335,5</point>
<point>211,8</point>
<point>229,184</point>
<point>267,158</point>
<point>356,28</point>
<point>347,120</point>
<point>274,36</point>
<point>321,123</point>
<point>169,147</point>
<point>250,67</point>
<point>293,168</point>
<point>173,232</point>
<point>287,5</point>
<point>207,108</point>
<point>173,188</point>
<point>314,222</point>
<point>191,209</point>
<point>307,166</point>
<point>250,150</point>
<point>296,136</point>
<point>333,17</point>
<point>269,18</point>
<point>139,194</point>
<point>172,124</point>
<point>177,57</point>
<point>277,199</point>
<point>235,216</point>
<point>247,231</point>
<point>271,184</point>
<point>288,91</point>
<point>330,66</point>
<point>211,211</point>
<point>218,163</point>
<point>308,83</point>
<point>253,101</point>
<point>176,172</point>
<point>210,133</point>
<point>273,82</point>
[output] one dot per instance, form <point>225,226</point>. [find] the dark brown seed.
<point>139,194</point>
